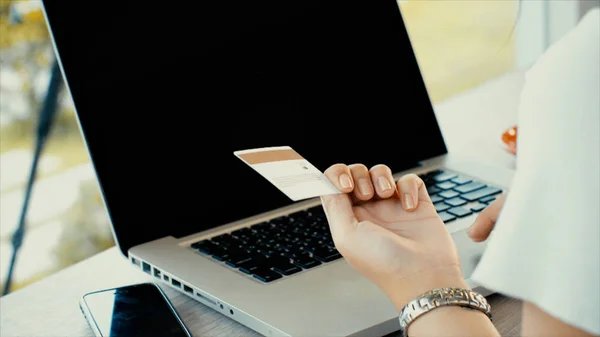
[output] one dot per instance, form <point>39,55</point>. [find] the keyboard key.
<point>446,185</point>
<point>199,244</point>
<point>454,202</point>
<point>433,173</point>
<point>448,194</point>
<point>325,254</point>
<point>306,261</point>
<point>204,246</point>
<point>204,250</point>
<point>461,180</point>
<point>266,275</point>
<point>219,253</point>
<point>238,258</point>
<point>440,207</point>
<point>459,211</point>
<point>428,181</point>
<point>230,243</point>
<point>248,267</point>
<point>283,266</point>
<point>433,190</point>
<point>484,192</point>
<point>282,221</point>
<point>487,200</point>
<point>260,226</point>
<point>241,232</point>
<point>469,187</point>
<point>222,237</point>
<point>436,198</point>
<point>478,207</point>
<point>289,270</point>
<point>446,217</point>
<point>444,176</point>
<point>317,210</point>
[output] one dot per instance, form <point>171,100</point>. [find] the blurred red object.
<point>509,138</point>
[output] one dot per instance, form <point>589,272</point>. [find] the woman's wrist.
<point>453,321</point>
<point>407,289</point>
<point>446,320</point>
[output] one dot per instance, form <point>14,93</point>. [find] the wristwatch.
<point>441,297</point>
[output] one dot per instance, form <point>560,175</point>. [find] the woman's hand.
<point>390,232</point>
<point>486,220</point>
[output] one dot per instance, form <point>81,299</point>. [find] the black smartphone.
<point>136,310</point>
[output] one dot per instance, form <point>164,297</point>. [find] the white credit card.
<point>288,171</point>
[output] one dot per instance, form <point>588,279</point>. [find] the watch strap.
<point>441,297</point>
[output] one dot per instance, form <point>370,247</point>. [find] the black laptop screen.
<point>166,92</point>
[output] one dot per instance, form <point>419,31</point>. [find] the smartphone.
<point>136,310</point>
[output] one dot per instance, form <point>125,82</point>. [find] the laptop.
<point>164,94</point>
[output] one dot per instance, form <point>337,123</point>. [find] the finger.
<point>408,189</point>
<point>340,176</point>
<point>340,216</point>
<point>382,179</point>
<point>364,187</point>
<point>486,220</point>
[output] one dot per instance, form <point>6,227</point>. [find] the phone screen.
<point>139,310</point>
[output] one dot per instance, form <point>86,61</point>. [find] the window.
<point>460,44</point>
<point>66,221</point>
<point>541,23</point>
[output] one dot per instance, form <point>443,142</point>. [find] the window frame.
<point>540,24</point>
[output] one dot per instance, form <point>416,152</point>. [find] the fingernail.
<point>409,201</point>
<point>384,184</point>
<point>364,187</point>
<point>345,181</point>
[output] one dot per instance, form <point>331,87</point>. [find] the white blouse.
<point>545,248</point>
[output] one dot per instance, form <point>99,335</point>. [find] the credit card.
<point>285,168</point>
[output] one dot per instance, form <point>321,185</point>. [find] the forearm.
<point>453,321</point>
<point>536,322</point>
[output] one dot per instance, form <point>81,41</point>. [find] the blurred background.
<point>67,222</point>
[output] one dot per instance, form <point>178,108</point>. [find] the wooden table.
<point>471,123</point>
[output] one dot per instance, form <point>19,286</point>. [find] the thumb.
<point>340,215</point>
<point>486,221</point>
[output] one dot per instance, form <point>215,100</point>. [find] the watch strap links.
<point>441,297</point>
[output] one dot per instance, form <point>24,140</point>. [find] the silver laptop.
<point>165,94</point>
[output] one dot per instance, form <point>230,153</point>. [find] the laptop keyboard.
<point>279,247</point>
<point>289,244</point>
<point>455,196</point>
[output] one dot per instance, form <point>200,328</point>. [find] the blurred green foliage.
<point>32,30</point>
